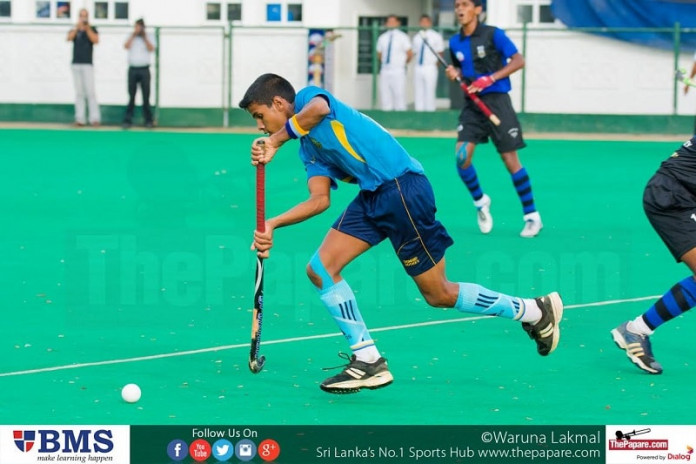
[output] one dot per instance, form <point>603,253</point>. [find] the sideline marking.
<point>294,339</point>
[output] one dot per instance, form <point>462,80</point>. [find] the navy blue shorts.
<point>404,211</point>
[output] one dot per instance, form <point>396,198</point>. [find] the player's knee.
<point>463,159</point>
<point>317,273</point>
<point>313,277</point>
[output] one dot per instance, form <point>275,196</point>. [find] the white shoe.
<point>532,225</point>
<point>483,208</point>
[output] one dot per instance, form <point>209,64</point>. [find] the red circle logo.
<point>269,450</point>
<point>200,450</point>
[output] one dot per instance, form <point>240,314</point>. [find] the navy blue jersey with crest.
<point>481,54</point>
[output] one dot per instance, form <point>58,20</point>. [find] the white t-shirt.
<point>422,55</point>
<point>393,45</point>
<point>138,54</point>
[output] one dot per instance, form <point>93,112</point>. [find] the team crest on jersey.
<point>460,56</point>
<point>480,51</point>
<point>315,142</point>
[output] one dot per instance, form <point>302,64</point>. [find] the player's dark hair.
<point>264,88</point>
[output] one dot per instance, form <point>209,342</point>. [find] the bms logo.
<point>65,441</point>
<point>24,439</point>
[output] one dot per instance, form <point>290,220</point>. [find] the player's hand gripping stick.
<point>474,98</point>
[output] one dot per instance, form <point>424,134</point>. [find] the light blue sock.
<point>474,298</point>
<point>340,301</point>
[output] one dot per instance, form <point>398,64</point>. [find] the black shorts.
<point>475,127</point>
<point>671,209</point>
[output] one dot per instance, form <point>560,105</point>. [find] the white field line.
<point>292,339</point>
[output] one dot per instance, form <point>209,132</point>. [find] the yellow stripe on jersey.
<point>340,132</point>
<point>295,125</point>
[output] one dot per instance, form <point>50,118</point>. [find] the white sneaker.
<point>483,208</point>
<point>532,225</point>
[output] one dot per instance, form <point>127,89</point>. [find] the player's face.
<point>269,119</point>
<point>466,11</point>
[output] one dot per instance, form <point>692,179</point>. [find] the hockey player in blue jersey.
<point>395,201</point>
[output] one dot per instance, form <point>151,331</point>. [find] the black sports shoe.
<point>546,332</point>
<point>637,348</point>
<point>357,375</point>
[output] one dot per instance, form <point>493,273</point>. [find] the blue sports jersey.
<point>482,53</point>
<point>349,146</point>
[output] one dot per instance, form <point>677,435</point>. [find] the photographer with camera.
<point>140,45</point>
<point>84,36</point>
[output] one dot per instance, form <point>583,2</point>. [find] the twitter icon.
<point>223,450</point>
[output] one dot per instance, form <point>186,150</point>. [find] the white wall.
<point>36,65</point>
<point>566,72</point>
<point>257,51</point>
<point>590,74</point>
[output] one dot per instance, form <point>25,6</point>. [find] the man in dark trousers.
<point>140,46</point>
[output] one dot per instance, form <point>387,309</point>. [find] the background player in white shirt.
<point>426,68</point>
<point>394,53</point>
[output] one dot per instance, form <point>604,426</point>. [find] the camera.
<point>245,449</point>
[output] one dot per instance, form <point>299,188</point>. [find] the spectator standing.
<point>140,45</point>
<point>84,37</point>
<point>394,52</point>
<point>425,72</point>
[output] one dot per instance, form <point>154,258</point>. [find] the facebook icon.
<point>177,450</point>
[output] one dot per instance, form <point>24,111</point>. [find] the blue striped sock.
<point>524,190</point>
<point>474,298</point>
<point>470,178</point>
<point>678,300</point>
<point>340,301</point>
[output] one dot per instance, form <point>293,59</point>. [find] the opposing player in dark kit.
<point>483,56</point>
<point>669,201</point>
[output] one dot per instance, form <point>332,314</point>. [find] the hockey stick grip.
<point>255,362</point>
<point>261,197</point>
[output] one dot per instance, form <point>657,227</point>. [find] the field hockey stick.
<point>680,74</point>
<point>474,98</point>
<point>255,362</point>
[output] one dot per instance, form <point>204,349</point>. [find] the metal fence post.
<point>157,72</point>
